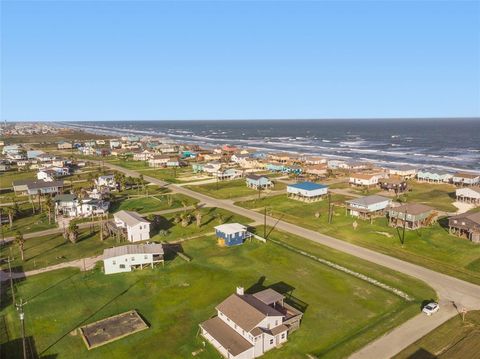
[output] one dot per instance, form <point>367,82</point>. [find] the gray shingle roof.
<point>368,200</point>
<point>132,249</point>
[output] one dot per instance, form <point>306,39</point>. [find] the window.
<point>276,322</point>
<point>145,257</point>
<point>283,335</point>
<point>132,259</point>
<point>271,341</point>
<point>114,262</point>
<point>122,266</point>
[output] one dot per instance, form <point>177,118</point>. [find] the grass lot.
<point>131,165</point>
<point>230,189</point>
<point>431,247</point>
<point>455,339</point>
<point>6,178</point>
<point>172,175</point>
<point>53,249</point>
<point>25,222</point>
<point>153,203</point>
<point>211,217</point>
<point>439,196</point>
<point>342,313</point>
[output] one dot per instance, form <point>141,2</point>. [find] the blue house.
<point>256,182</point>
<point>275,167</point>
<point>231,234</point>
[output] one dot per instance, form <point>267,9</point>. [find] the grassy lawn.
<point>454,339</point>
<point>342,312</point>
<point>431,247</point>
<point>53,249</point>
<point>211,217</point>
<point>6,178</point>
<point>131,165</point>
<point>226,189</point>
<point>153,203</point>
<point>440,196</point>
<point>172,175</point>
<point>25,222</point>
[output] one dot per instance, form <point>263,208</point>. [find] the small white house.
<point>466,179</point>
<point>132,256</point>
<point>158,160</point>
<point>403,171</point>
<point>106,181</point>
<point>47,175</point>
<point>137,227</point>
<point>308,191</point>
<point>364,179</point>
<point>468,195</point>
<point>367,207</point>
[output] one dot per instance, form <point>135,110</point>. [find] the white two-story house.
<point>137,228</point>
<point>248,325</point>
<point>368,207</point>
<point>132,256</point>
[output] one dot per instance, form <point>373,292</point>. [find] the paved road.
<point>449,289</point>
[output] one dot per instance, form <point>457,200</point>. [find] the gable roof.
<point>472,216</point>
<point>256,177</point>
<point>413,208</point>
<point>308,186</point>
<point>269,296</point>
<point>368,200</point>
<point>246,311</point>
<point>231,228</point>
<point>130,218</point>
<point>132,249</point>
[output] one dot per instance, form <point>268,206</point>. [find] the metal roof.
<point>368,200</point>
<point>132,249</point>
<point>130,218</point>
<point>231,228</point>
<point>308,186</point>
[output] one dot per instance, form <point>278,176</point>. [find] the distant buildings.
<point>466,179</point>
<point>468,195</point>
<point>33,187</point>
<point>258,182</point>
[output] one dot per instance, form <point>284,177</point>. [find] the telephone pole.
<point>22,325</point>
<point>11,279</point>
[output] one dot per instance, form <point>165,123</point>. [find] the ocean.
<point>450,144</point>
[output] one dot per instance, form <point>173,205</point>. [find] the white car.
<point>431,308</point>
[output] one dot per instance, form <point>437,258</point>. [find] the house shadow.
<point>422,354</point>
<point>443,222</point>
<point>160,223</point>
<point>281,287</point>
<point>171,250</point>
<point>14,349</point>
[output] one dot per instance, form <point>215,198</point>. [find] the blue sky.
<point>80,60</point>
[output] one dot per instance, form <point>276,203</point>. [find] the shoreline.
<point>361,155</point>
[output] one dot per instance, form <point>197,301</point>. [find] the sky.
<point>154,60</point>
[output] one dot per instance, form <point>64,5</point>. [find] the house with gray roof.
<point>130,257</point>
<point>136,227</point>
<point>466,225</point>
<point>248,325</point>
<point>411,216</point>
<point>368,207</point>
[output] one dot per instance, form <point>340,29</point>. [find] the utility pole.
<point>22,325</point>
<point>265,222</point>
<point>11,279</point>
<point>329,208</point>
<point>404,225</point>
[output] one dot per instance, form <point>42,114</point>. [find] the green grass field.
<point>26,222</point>
<point>431,247</point>
<point>439,196</point>
<point>454,339</point>
<point>6,178</point>
<point>342,312</point>
<point>153,203</point>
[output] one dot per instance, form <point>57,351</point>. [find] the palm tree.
<point>11,214</point>
<point>49,208</point>
<point>20,241</point>
<point>72,232</point>
<point>185,219</point>
<point>198,218</point>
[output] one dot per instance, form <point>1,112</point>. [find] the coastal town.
<point>180,218</point>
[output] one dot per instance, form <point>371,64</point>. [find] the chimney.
<point>240,290</point>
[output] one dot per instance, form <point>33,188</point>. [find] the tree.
<point>72,232</point>
<point>49,208</point>
<point>20,241</point>
<point>185,219</point>
<point>198,218</point>
<point>11,214</point>
<point>220,218</point>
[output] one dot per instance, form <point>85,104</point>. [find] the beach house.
<point>411,216</point>
<point>228,174</point>
<point>368,207</point>
<point>466,225</point>
<point>132,256</point>
<point>317,170</point>
<point>106,181</point>
<point>258,182</point>
<point>466,179</point>
<point>68,205</point>
<point>307,191</point>
<point>158,161</point>
<point>136,227</point>
<point>248,325</point>
<point>64,145</point>
<point>364,179</point>
<point>34,187</point>
<point>395,184</point>
<point>433,176</point>
<point>404,171</point>
<point>468,195</point>
<point>231,234</point>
